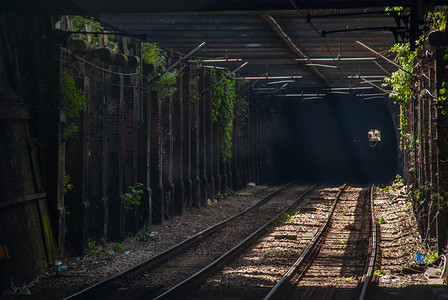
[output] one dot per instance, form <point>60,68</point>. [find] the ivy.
<point>194,95</point>
<point>164,85</point>
<point>67,185</point>
<point>133,197</point>
<point>80,23</point>
<point>73,101</point>
<point>223,101</point>
<point>401,81</point>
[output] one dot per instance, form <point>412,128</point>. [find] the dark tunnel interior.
<point>327,140</point>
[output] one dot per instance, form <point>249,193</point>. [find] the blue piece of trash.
<point>420,258</point>
<point>112,252</point>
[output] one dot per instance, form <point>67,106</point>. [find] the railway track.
<point>342,265</point>
<point>327,257</point>
<point>172,272</point>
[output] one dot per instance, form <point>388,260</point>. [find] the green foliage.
<point>67,185</point>
<point>394,9</point>
<point>402,82</point>
<point>146,235</point>
<point>104,251</point>
<point>194,95</point>
<point>133,197</point>
<point>152,54</point>
<point>73,101</point>
<point>442,97</point>
<point>381,220</point>
<point>431,258</point>
<point>438,18</point>
<point>224,95</point>
<point>381,273</point>
<point>228,192</point>
<point>164,85</point>
<point>80,23</point>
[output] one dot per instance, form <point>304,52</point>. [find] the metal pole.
<point>382,56</point>
<point>178,62</point>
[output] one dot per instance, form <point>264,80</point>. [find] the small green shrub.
<point>133,197</point>
<point>104,251</point>
<point>73,100</point>
<point>146,235</point>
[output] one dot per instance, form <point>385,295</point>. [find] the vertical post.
<point>188,142</point>
<point>178,132</point>
<point>62,120</point>
<point>209,134</point>
<point>85,162</point>
<point>203,140</point>
<point>195,157</point>
<point>121,156</point>
<point>104,158</point>
<point>148,151</point>
<point>135,145</point>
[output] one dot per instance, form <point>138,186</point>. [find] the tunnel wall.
<point>126,136</point>
<point>425,144</point>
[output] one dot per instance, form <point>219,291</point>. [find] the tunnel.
<point>326,139</point>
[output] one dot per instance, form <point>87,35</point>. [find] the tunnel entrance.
<point>334,139</point>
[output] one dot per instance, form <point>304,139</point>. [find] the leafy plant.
<point>381,273</point>
<point>401,81</point>
<point>194,95</point>
<point>224,95</point>
<point>146,235</point>
<point>67,185</point>
<point>431,257</point>
<point>133,197</point>
<point>381,220</point>
<point>164,82</point>
<point>104,251</point>
<point>73,101</point>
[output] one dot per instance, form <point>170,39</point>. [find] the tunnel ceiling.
<point>316,49</point>
<point>317,44</point>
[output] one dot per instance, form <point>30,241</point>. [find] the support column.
<point>188,113</point>
<point>195,154</point>
<point>203,141</point>
<point>178,132</point>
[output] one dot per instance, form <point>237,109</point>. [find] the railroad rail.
<point>287,286</point>
<point>120,285</point>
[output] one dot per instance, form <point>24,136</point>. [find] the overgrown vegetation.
<point>133,197</point>
<point>401,82</point>
<point>224,96</point>
<point>73,101</point>
<point>67,185</point>
<point>146,235</point>
<point>163,84</point>
<point>104,250</point>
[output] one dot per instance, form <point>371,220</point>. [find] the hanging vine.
<point>73,101</point>
<point>402,82</point>
<point>164,85</point>
<point>223,101</point>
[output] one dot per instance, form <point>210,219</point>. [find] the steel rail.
<point>299,262</point>
<point>184,286</point>
<point>368,276</point>
<point>165,255</point>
